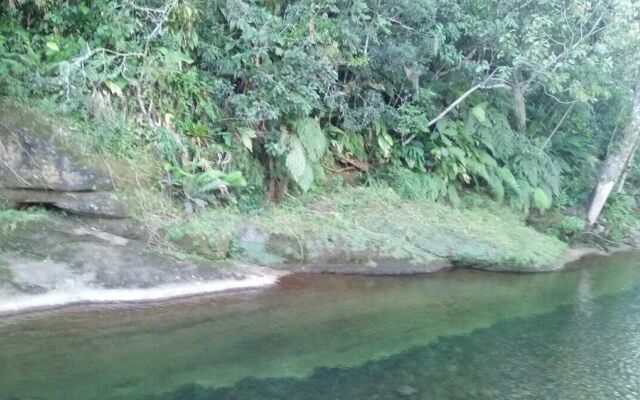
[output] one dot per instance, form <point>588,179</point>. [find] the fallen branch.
<point>564,116</point>
<point>399,23</point>
<point>452,106</point>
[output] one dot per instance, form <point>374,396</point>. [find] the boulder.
<point>30,162</point>
<point>330,255</point>
<point>52,261</point>
<point>38,167</point>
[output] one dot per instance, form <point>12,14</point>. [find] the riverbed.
<point>461,334</point>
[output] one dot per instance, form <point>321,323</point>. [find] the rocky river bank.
<point>89,246</point>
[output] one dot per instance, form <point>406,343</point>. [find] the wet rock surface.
<point>331,255</point>
<point>60,254</point>
<point>419,255</point>
<point>55,255</point>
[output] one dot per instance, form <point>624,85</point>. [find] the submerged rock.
<point>407,391</point>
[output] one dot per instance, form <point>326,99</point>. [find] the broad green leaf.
<point>479,113</point>
<point>246,136</point>
<point>235,179</point>
<point>53,46</point>
<point>385,141</point>
<point>540,199</point>
<point>296,160</point>
<point>311,137</point>
<point>508,178</point>
<point>307,177</point>
<point>174,57</point>
<point>183,57</point>
<point>113,87</point>
<point>457,152</point>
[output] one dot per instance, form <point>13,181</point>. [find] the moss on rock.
<point>375,231</point>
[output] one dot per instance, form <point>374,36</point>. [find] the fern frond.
<point>306,179</point>
<point>541,200</point>
<point>508,178</point>
<point>496,187</point>
<point>296,160</point>
<point>311,137</point>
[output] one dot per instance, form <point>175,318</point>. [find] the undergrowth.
<point>11,220</point>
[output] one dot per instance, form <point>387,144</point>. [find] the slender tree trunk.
<point>625,174</point>
<point>519,105</point>
<point>616,162</point>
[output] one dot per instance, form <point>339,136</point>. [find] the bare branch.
<point>452,106</point>
<point>583,36</point>
<point>164,16</point>
<point>564,116</point>
<point>399,23</point>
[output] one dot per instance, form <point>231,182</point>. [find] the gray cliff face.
<point>30,162</point>
<point>35,169</point>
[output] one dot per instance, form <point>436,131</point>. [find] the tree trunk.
<point>615,163</point>
<point>520,107</point>
<point>625,174</point>
<point>276,190</point>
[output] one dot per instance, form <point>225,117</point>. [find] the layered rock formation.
<point>35,169</point>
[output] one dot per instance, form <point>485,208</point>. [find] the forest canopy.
<point>522,100</point>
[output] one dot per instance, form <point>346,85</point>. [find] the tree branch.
<point>564,116</point>
<point>554,62</point>
<point>399,23</point>
<point>452,106</point>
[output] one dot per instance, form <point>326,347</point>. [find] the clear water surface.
<point>457,335</point>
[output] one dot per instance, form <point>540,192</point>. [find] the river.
<point>455,335</point>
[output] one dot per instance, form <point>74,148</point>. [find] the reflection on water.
<point>460,335</point>
<point>585,299</point>
<point>538,358</point>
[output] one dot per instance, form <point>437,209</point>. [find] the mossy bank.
<point>350,231</point>
<point>74,252</point>
<point>366,230</point>
<point>356,230</point>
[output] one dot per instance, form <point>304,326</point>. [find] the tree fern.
<point>496,187</point>
<point>311,137</point>
<point>304,150</point>
<point>296,160</point>
<point>540,199</point>
<point>453,195</point>
<point>521,198</point>
<point>306,179</point>
<point>476,167</point>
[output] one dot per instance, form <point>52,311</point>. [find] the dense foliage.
<point>519,99</point>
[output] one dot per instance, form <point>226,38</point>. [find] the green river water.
<point>455,335</point>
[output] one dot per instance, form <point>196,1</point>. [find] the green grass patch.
<point>10,219</point>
